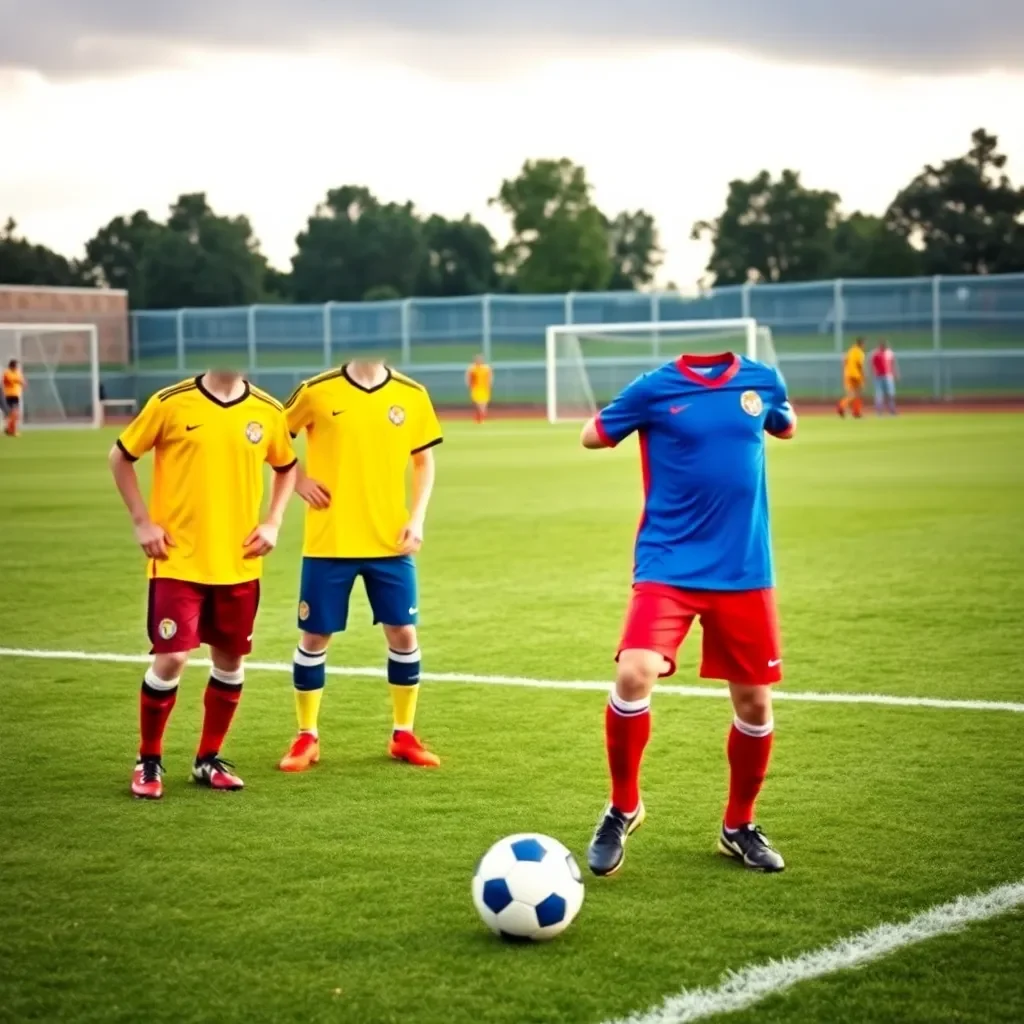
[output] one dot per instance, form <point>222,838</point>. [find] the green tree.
<point>635,253</point>
<point>771,231</point>
<point>865,246</point>
<point>559,242</point>
<point>965,215</point>
<point>114,253</point>
<point>461,258</point>
<point>354,243</point>
<point>22,262</point>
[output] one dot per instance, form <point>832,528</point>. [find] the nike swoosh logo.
<point>413,611</point>
<point>337,412</point>
<point>676,409</point>
<point>188,430</point>
<point>774,662</point>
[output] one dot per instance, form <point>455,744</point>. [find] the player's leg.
<point>226,624</point>
<point>844,401</point>
<point>13,416</point>
<point>173,628</point>
<point>857,401</point>
<point>392,590</point>
<point>742,646</point>
<point>890,393</point>
<point>656,623</point>
<point>324,591</point>
<point>880,399</point>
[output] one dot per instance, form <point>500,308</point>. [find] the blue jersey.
<point>701,422</point>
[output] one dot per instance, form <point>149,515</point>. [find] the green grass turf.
<point>343,895</point>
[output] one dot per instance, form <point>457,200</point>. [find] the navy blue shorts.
<point>12,401</point>
<point>327,586</point>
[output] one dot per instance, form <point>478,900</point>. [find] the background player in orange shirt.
<point>478,380</point>
<point>204,539</point>
<point>853,381</point>
<point>13,387</point>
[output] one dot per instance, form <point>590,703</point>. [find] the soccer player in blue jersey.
<point>703,550</point>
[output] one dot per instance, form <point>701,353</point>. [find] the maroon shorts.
<point>741,630</point>
<point>184,615</point>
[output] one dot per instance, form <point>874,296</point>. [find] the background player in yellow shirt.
<point>13,388</point>
<point>363,423</point>
<point>204,540</point>
<point>478,379</point>
<point>853,381</point>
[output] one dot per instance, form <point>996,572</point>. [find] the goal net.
<point>60,363</point>
<point>588,364</point>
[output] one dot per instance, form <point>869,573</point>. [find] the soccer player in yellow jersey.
<point>13,386</point>
<point>204,539</point>
<point>853,381</point>
<point>478,379</point>
<point>364,423</point>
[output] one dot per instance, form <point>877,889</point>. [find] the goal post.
<point>586,364</point>
<point>61,366</point>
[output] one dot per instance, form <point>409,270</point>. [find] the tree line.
<point>963,216</point>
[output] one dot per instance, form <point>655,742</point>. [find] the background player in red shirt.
<point>703,549</point>
<point>886,373</point>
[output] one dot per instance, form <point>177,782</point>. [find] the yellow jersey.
<point>853,367</point>
<point>208,476</point>
<point>479,376</point>
<point>13,383</point>
<point>359,441</point>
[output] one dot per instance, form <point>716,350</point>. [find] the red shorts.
<point>741,630</point>
<point>184,615</point>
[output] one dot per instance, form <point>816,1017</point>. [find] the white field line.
<point>547,684</point>
<point>739,989</point>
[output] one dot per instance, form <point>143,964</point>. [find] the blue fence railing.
<point>818,317</point>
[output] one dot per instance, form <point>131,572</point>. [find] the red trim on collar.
<point>685,364</point>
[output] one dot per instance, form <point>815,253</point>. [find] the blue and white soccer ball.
<point>528,886</point>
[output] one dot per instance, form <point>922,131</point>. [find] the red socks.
<point>627,728</point>
<point>749,749</point>
<point>156,701</point>
<point>223,692</point>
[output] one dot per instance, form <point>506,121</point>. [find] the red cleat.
<point>215,772</point>
<point>146,781</point>
<point>304,753</point>
<point>406,747</point>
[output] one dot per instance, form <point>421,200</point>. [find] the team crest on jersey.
<point>397,415</point>
<point>751,403</point>
<point>254,431</point>
<point>303,611</point>
<point>167,628</point>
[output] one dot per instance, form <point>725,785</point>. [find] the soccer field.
<point>342,895</point>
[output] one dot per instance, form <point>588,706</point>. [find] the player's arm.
<point>138,438</point>
<point>426,437</point>
<point>299,416</point>
<point>282,459</point>
<point>780,421</point>
<point>627,412</point>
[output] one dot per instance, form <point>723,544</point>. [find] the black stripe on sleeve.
<point>127,454</point>
<point>429,444</point>
<point>284,469</point>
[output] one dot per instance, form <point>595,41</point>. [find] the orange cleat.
<point>304,753</point>
<point>146,781</point>
<point>404,746</point>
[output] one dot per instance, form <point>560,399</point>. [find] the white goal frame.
<point>22,328</point>
<point>745,325</point>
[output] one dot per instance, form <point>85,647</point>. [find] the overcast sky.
<point>109,105</point>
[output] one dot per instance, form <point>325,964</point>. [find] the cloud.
<point>63,38</point>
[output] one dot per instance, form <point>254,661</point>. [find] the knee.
<point>401,638</point>
<point>170,666</point>
<point>752,704</point>
<point>224,661</point>
<point>314,643</point>
<point>638,672</point>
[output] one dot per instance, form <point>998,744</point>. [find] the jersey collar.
<point>356,384</point>
<point>216,401</point>
<point>685,364</point>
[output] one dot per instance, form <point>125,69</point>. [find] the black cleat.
<point>751,846</point>
<point>607,849</point>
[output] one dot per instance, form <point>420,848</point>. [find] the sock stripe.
<point>755,731</point>
<point>404,657</point>
<point>308,660</point>
<point>628,708</point>
<point>160,686</point>
<point>227,679</point>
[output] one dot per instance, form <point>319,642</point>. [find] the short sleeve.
<point>143,433</point>
<point>628,411</point>
<point>426,431</point>
<point>280,453</point>
<point>298,411</point>
<point>781,418</point>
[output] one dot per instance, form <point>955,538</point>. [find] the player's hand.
<point>410,540</point>
<point>261,541</point>
<point>313,493</point>
<point>153,540</point>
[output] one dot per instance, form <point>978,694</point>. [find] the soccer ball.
<point>527,886</point>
